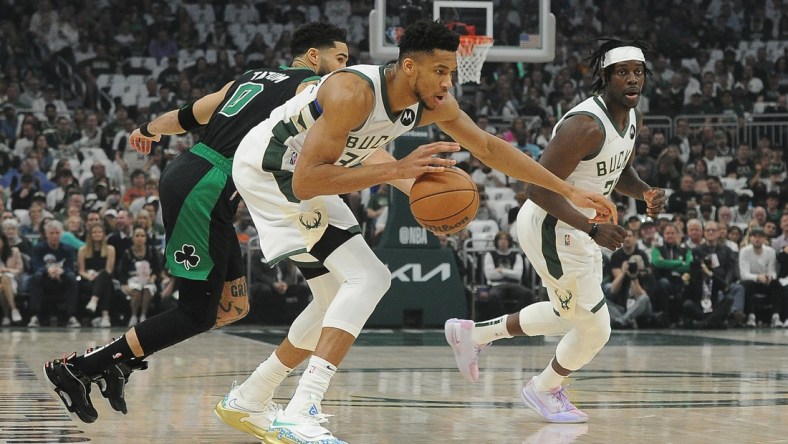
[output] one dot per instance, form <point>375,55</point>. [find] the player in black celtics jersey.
<point>199,200</point>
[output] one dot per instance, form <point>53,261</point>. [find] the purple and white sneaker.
<point>553,406</point>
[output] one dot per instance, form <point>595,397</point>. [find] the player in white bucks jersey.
<point>199,201</point>
<point>326,141</point>
<point>592,148</point>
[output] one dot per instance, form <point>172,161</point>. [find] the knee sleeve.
<point>590,333</point>
<point>305,331</point>
<point>365,279</point>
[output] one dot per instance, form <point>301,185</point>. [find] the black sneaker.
<point>112,382</point>
<point>72,386</point>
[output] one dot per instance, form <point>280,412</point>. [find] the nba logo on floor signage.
<point>567,240</point>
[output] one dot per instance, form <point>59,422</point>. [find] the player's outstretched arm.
<point>168,123</point>
<point>347,101</point>
<point>504,157</point>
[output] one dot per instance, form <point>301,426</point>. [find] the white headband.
<point>621,54</point>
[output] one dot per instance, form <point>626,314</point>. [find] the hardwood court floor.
<point>402,387</point>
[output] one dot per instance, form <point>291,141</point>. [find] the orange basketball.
<point>444,202</point>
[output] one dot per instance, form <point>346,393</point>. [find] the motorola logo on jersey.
<point>632,132</point>
<point>408,116</point>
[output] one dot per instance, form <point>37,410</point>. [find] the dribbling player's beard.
<point>421,99</point>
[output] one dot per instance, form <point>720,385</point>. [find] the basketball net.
<point>470,57</point>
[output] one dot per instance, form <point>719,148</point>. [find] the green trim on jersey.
<point>549,248</point>
<point>601,104</point>
<point>307,264</point>
<point>313,78</point>
<point>599,305</point>
<point>216,159</point>
<point>313,109</point>
<point>355,229</point>
<point>273,157</point>
<point>272,163</point>
<point>284,256</point>
<point>384,95</point>
<point>419,112</point>
<point>192,228</point>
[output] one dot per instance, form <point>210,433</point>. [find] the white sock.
<point>264,380</point>
<point>548,379</point>
<point>488,331</point>
<point>311,387</point>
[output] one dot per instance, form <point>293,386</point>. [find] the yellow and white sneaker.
<point>249,417</point>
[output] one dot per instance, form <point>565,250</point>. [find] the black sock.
<point>98,360</point>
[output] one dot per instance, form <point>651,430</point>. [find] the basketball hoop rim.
<point>473,46</point>
<point>474,40</point>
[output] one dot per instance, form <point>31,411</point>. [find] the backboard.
<point>524,30</point>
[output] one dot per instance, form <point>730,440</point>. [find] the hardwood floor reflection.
<point>402,386</point>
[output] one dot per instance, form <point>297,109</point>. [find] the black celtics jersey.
<point>249,101</point>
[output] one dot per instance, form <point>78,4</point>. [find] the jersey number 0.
<point>241,97</point>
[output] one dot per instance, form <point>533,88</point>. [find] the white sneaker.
<point>776,320</point>
<point>304,428</point>
<point>459,336</point>
<point>105,322</point>
<point>133,321</point>
<point>6,322</point>
<point>34,322</point>
<point>751,321</point>
<point>73,323</point>
<point>16,316</point>
<point>92,305</point>
<point>142,318</point>
<point>249,417</point>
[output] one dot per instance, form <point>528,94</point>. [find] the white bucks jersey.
<point>600,173</point>
<point>289,124</point>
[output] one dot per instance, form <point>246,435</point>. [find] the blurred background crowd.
<point>76,77</point>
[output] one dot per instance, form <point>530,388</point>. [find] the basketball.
<point>444,202</point>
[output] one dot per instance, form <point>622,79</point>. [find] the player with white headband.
<point>592,147</point>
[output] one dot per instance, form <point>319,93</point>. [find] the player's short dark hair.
<point>315,35</point>
<point>602,78</point>
<point>427,36</point>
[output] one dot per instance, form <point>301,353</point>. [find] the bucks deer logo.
<point>564,296</point>
<point>310,223</point>
<point>187,256</point>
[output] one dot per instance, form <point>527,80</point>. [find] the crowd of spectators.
<point>76,77</point>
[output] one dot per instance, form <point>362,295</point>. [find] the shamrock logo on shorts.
<point>187,257</point>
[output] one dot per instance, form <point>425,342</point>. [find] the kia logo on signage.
<point>414,273</point>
